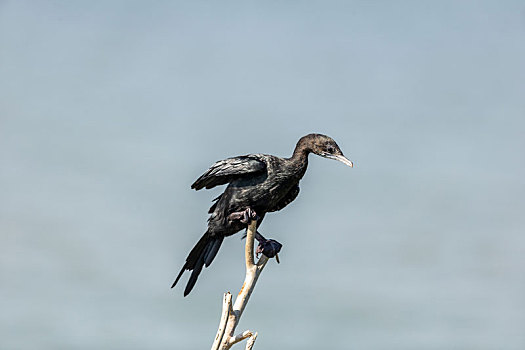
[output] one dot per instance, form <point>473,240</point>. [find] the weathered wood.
<point>230,317</point>
<point>226,310</point>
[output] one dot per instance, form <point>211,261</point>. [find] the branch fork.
<point>231,314</point>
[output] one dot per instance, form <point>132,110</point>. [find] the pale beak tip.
<point>347,162</point>
<point>340,158</point>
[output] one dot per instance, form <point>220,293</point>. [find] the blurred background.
<point>110,110</point>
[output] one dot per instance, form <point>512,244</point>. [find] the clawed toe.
<point>248,215</point>
<point>244,216</point>
<point>270,248</point>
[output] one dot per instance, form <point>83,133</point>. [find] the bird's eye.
<point>330,149</point>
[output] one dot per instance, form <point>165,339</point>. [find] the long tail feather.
<point>193,278</point>
<point>202,254</point>
<point>212,252</point>
<point>179,276</point>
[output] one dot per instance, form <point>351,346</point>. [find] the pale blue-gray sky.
<point>109,111</point>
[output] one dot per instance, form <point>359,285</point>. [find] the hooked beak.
<point>340,158</point>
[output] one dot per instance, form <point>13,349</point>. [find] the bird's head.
<point>326,147</point>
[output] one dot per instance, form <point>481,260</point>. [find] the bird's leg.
<point>244,216</point>
<point>268,247</point>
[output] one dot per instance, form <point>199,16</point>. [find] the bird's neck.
<point>299,158</point>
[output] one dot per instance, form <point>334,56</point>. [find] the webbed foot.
<point>269,247</point>
<point>243,216</point>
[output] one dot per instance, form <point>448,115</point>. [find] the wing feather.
<point>226,170</point>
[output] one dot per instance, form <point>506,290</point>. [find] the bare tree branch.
<point>226,309</point>
<point>230,317</point>
<point>240,337</point>
<point>251,341</point>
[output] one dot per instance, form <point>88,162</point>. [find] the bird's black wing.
<point>226,170</point>
<point>290,196</point>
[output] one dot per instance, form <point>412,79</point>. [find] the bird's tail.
<point>201,255</point>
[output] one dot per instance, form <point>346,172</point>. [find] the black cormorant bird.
<point>257,184</point>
